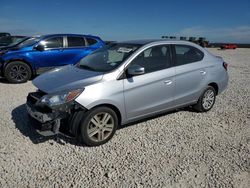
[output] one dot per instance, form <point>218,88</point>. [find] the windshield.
<point>10,40</point>
<point>108,58</point>
<point>29,42</point>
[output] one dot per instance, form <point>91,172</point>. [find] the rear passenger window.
<point>76,41</point>
<point>91,41</point>
<point>154,59</point>
<point>187,54</point>
<point>55,42</point>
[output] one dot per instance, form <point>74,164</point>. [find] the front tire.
<point>98,126</point>
<point>17,72</point>
<point>206,100</point>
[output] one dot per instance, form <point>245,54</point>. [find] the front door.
<point>154,90</point>
<point>52,55</point>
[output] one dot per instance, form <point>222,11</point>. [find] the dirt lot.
<point>178,149</point>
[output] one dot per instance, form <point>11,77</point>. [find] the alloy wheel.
<point>208,99</point>
<point>18,72</point>
<point>100,127</point>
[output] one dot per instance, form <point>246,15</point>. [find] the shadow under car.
<point>26,125</point>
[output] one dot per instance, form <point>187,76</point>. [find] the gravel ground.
<point>179,149</point>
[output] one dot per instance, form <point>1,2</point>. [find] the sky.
<point>218,21</point>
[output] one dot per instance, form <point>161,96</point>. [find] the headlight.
<point>60,98</point>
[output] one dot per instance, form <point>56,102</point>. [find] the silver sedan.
<point>126,82</point>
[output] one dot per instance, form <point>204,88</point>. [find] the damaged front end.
<point>50,114</point>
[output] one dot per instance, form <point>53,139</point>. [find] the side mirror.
<point>39,47</point>
<point>136,70</point>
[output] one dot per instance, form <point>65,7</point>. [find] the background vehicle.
<point>109,42</point>
<point>125,82</point>
<point>200,41</point>
<point>203,42</point>
<point>10,41</point>
<point>229,46</point>
<point>39,54</point>
<point>4,34</point>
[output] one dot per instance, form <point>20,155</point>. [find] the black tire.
<point>17,72</point>
<point>86,123</point>
<point>199,106</point>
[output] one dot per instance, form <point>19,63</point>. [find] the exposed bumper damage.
<point>50,121</point>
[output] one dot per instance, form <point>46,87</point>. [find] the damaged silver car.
<point>122,83</point>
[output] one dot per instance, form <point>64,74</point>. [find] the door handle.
<point>203,72</point>
<point>168,82</point>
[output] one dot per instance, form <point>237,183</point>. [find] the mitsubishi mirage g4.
<point>125,82</point>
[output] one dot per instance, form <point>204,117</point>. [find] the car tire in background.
<point>98,126</point>
<point>17,72</point>
<point>206,100</point>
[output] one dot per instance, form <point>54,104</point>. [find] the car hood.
<point>66,78</point>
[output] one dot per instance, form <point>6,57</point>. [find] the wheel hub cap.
<point>208,99</point>
<point>18,72</point>
<point>100,127</point>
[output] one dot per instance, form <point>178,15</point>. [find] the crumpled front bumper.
<point>50,121</point>
<point>45,120</point>
<point>39,116</point>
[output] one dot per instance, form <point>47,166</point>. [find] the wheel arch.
<point>22,60</point>
<point>76,118</point>
<point>215,86</point>
<point>114,108</point>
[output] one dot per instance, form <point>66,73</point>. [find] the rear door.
<point>152,91</point>
<point>190,73</point>
<point>76,49</point>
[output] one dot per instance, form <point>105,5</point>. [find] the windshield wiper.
<point>86,67</point>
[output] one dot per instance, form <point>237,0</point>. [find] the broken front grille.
<point>32,102</point>
<point>35,96</point>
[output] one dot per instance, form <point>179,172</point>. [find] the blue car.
<point>39,54</point>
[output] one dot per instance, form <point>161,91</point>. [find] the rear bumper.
<point>223,83</point>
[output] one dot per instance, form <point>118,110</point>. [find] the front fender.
<point>104,93</point>
<point>108,102</point>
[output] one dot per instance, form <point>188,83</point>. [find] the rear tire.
<point>98,126</point>
<point>17,72</point>
<point>206,100</point>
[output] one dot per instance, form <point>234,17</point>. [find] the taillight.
<point>225,65</point>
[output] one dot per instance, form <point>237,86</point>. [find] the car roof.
<point>148,41</point>
<point>15,36</point>
<point>65,34</point>
<point>141,41</point>
<point>18,36</point>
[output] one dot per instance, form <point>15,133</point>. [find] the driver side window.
<point>154,59</point>
<point>55,42</point>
